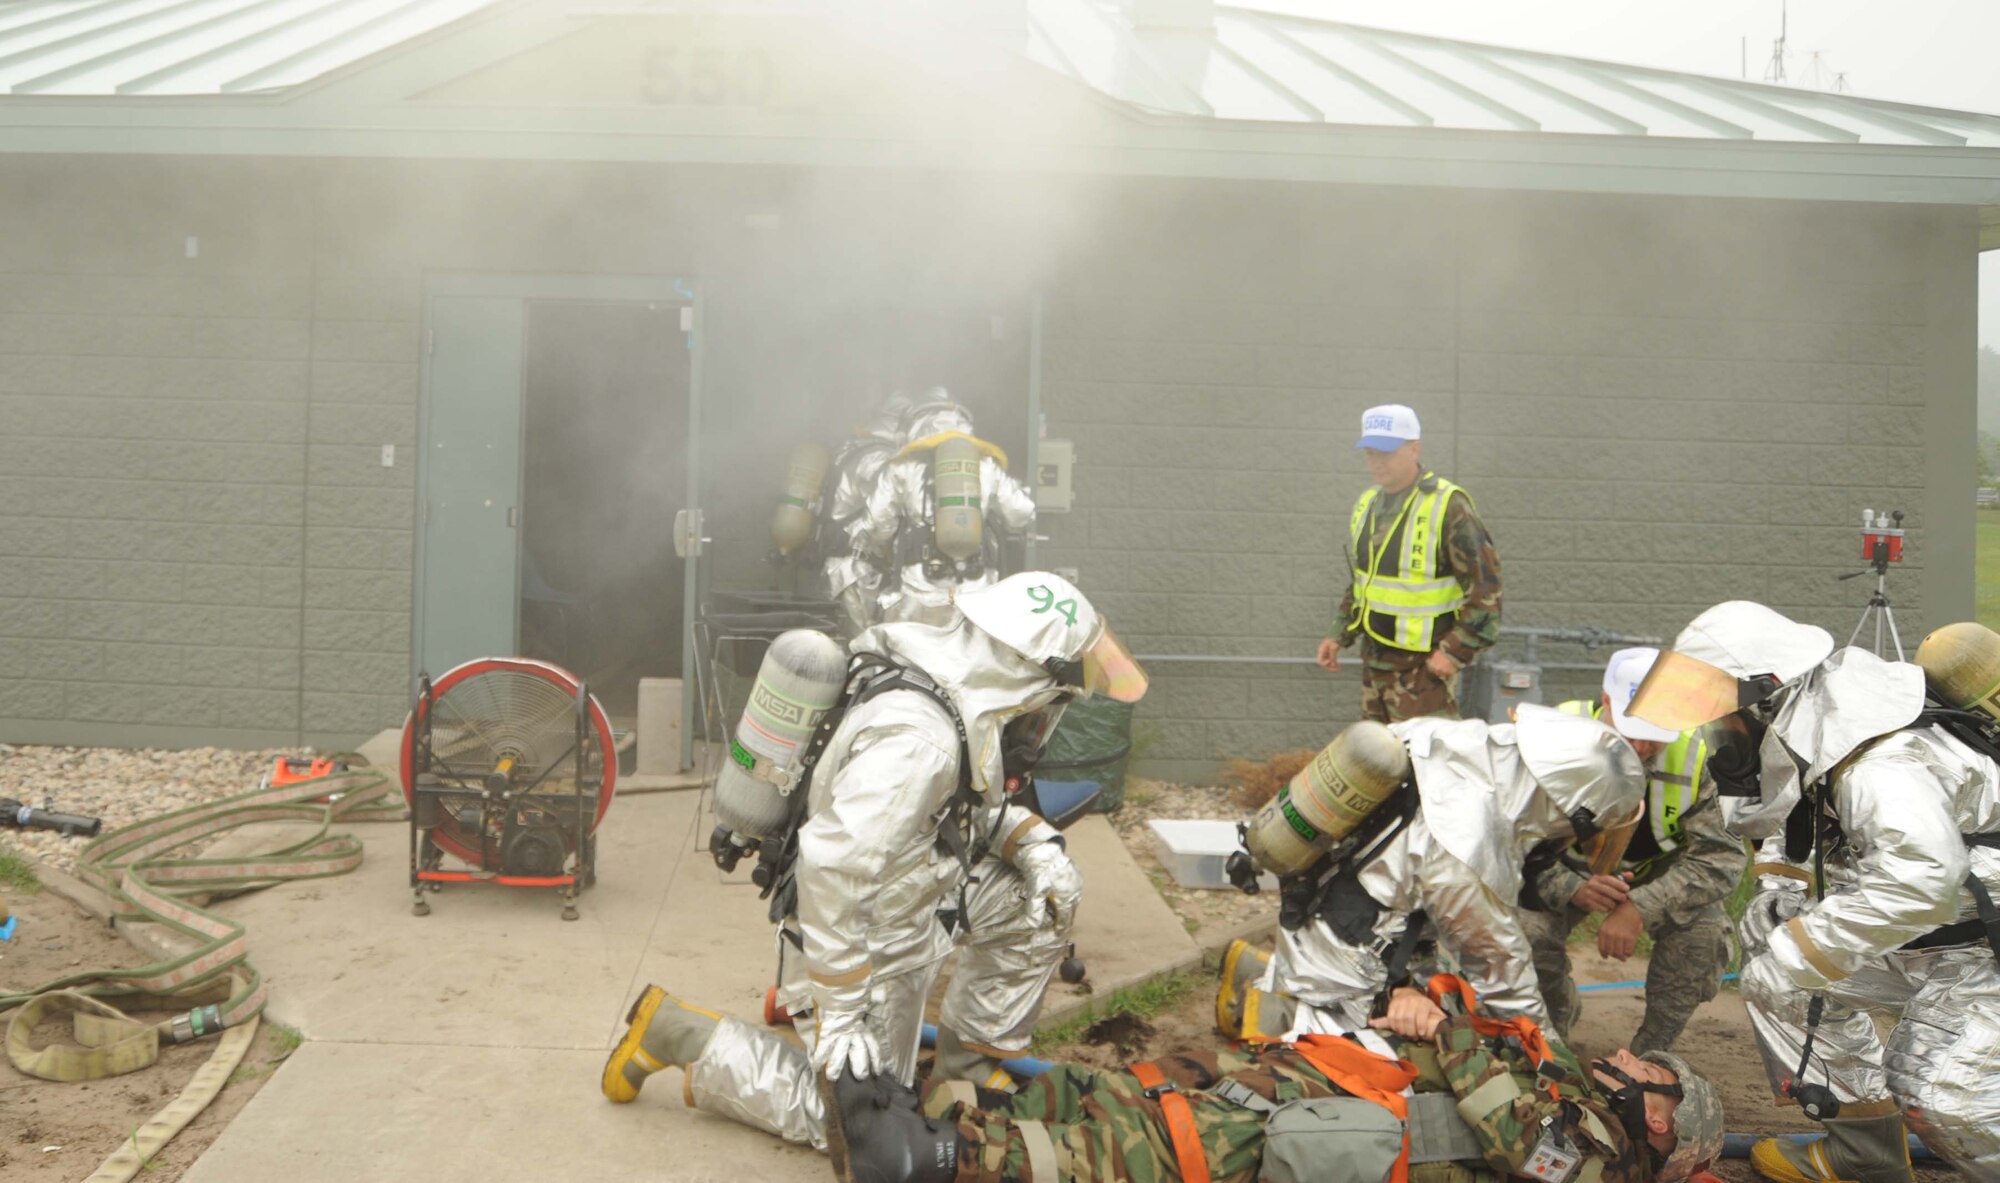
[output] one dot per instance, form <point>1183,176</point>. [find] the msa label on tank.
<point>742,756</point>
<point>777,708</point>
<point>1300,826</point>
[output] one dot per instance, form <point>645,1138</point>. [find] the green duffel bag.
<point>1330,1140</point>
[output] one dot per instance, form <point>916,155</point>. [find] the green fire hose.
<point>213,988</point>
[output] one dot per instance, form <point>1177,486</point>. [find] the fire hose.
<point>213,988</point>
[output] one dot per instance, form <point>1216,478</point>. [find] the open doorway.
<point>604,456</point>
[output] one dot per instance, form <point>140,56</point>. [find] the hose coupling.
<point>195,1024</point>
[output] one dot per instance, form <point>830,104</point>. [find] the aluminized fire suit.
<point>1900,798</point>
<point>867,944</point>
<point>895,524</point>
<point>852,580</point>
<point>1486,795</point>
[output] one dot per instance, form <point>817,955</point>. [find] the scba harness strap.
<point>869,676</point>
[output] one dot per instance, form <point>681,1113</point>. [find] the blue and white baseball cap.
<point>1388,427</point>
<point>1622,675</point>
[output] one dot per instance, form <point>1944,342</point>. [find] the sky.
<point>1936,53</point>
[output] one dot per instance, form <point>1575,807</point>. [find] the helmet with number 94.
<point>1045,619</point>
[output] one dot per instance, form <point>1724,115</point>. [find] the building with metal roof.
<point>341,339</point>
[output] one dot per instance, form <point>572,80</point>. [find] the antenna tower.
<point>1775,71</point>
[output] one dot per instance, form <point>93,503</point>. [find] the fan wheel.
<point>511,722</point>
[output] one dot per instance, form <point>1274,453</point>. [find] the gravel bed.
<point>120,785</point>
<point>1205,911</point>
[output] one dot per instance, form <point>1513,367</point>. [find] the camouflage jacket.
<point>1105,1129</point>
<point>1469,555</point>
<point>1701,872</point>
<point>1510,1130</point>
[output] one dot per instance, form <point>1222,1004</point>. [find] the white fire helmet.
<point>1045,619</point>
<point>1586,769</point>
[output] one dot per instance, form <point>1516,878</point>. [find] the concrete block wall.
<point>154,412</point>
<point>1657,406</point>
<point>198,542</point>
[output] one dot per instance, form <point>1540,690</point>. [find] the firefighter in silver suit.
<point>1485,794</point>
<point>1824,759</point>
<point>859,958</point>
<point>899,527</point>
<point>852,581</point>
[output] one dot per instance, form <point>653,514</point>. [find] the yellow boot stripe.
<point>616,1088</point>
<point>646,1060</point>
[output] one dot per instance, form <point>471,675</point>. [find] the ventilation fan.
<point>508,766</point>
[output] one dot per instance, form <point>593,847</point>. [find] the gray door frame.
<point>636,289</point>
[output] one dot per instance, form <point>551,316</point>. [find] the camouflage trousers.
<point>1684,971</point>
<point>1397,685</point>
<point>1102,1127</point>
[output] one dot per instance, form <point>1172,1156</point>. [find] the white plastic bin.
<point>1195,852</point>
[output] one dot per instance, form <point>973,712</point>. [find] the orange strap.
<point>1179,1114</point>
<point>1522,1028</point>
<point>1368,1076</point>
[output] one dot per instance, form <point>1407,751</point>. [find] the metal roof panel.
<point>1251,67</point>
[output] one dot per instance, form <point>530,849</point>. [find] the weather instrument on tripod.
<point>1881,545</point>
<point>508,766</point>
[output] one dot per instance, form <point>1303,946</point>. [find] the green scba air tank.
<point>1327,799</point>
<point>798,505</point>
<point>799,680</point>
<point>961,522</point>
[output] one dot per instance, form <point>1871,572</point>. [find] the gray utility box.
<point>1490,690</point>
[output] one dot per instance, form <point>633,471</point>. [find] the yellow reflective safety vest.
<point>1399,589</point>
<point>1673,785</point>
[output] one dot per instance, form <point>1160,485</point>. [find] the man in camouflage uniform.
<point>1671,882</point>
<point>1424,591</point>
<point>1503,1088</point>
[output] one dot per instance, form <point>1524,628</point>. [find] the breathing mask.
<point>1025,738</point>
<point>1733,743</point>
<point>1628,1100</point>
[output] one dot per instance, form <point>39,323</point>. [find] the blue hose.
<point>1596,986</point>
<point>1020,1067</point>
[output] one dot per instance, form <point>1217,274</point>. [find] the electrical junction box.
<point>1490,690</point>
<point>1053,471</point>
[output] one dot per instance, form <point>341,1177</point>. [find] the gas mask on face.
<point>1024,743</point>
<point>1025,738</point>
<point>1733,743</point>
<point>1628,1100</point>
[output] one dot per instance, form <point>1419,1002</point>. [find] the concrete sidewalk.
<point>463,1045</point>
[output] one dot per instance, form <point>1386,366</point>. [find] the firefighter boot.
<point>957,1061</point>
<point>1242,1011</point>
<point>1865,1144</point>
<point>661,1030</point>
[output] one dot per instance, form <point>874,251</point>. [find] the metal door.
<point>468,598</point>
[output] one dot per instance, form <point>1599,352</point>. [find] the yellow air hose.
<point>136,868</point>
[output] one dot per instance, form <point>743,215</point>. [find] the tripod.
<point>1878,603</point>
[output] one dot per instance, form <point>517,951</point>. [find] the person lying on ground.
<point>1435,1093</point>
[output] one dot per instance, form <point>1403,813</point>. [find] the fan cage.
<point>494,709</point>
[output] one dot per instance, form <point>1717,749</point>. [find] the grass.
<point>282,1040</point>
<point>17,873</point>
<point>1986,568</point>
<point>1142,1001</point>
